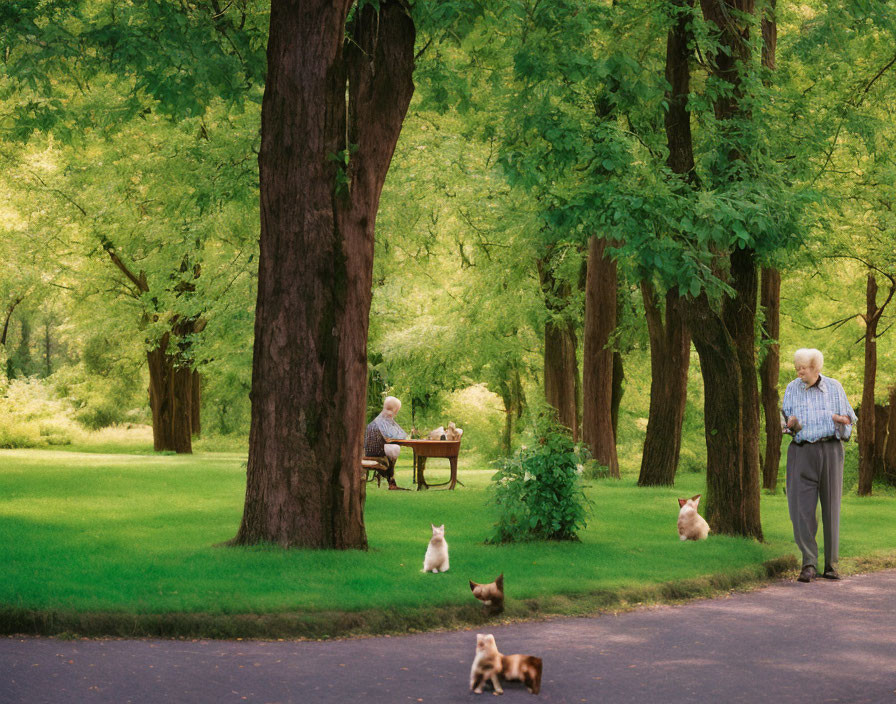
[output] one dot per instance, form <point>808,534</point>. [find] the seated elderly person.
<point>380,429</point>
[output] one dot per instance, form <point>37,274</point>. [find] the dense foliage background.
<point>129,204</point>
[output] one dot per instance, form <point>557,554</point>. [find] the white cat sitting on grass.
<point>436,558</point>
<point>691,525</point>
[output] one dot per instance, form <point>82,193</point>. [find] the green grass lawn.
<point>137,534</point>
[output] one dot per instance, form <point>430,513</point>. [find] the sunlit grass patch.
<point>140,534</point>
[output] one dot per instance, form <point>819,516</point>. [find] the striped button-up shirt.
<point>813,407</point>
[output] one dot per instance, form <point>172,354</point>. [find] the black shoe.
<point>830,573</point>
<point>807,574</point>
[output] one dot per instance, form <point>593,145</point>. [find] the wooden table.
<point>449,449</point>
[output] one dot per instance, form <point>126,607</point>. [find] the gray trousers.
<point>815,472</point>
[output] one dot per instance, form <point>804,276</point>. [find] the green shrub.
<point>538,492</point>
<point>31,415</point>
<point>99,416</point>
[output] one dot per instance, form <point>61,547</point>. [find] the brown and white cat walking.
<point>691,525</point>
<point>436,558</point>
<point>490,665</point>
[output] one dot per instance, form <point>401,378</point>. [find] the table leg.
<point>453,462</point>
<point>421,479</point>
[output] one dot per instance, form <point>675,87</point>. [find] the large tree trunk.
<point>597,365</point>
<point>670,346</point>
<point>170,400</point>
<point>731,507</point>
<point>740,317</point>
<point>728,340</point>
<point>303,486</point>
<point>562,388</point>
<point>768,373</point>
<point>866,419</point>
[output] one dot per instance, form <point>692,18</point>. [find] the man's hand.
<point>793,425</point>
<point>845,420</point>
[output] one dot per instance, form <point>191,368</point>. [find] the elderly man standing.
<point>819,417</point>
<point>380,429</point>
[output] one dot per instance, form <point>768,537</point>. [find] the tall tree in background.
<point>332,112</point>
<point>867,414</point>
<point>770,302</point>
<point>562,389</point>
<point>600,323</point>
<point>670,343</point>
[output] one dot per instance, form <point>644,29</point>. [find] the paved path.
<point>819,642</point>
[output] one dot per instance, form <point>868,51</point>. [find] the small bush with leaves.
<point>538,492</point>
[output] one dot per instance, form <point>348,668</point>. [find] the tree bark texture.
<point>562,389</point>
<point>669,341</point>
<point>730,505</point>
<point>769,370</point>
<point>618,387</point>
<point>196,404</point>
<point>331,115</point>
<point>725,340</point>
<point>890,448</point>
<point>679,139</point>
<point>878,453</point>
<point>510,388</point>
<point>597,364</point>
<point>866,418</point>
<point>670,346</point>
<point>9,311</point>
<point>170,399</point>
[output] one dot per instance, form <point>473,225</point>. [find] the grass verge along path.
<point>112,544</point>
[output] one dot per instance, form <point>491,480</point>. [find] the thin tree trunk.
<point>866,419</point>
<point>878,453</point>
<point>669,342</point>
<point>322,166</point>
<point>9,311</point>
<point>618,389</point>
<point>48,367</point>
<point>196,404</point>
<point>890,449</point>
<point>511,391</point>
<point>670,346</point>
<point>562,388</point>
<point>768,373</point>
<point>770,300</point>
<point>597,365</point>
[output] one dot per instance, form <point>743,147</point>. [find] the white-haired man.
<point>819,417</point>
<point>380,429</point>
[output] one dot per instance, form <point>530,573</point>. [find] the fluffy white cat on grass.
<point>436,558</point>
